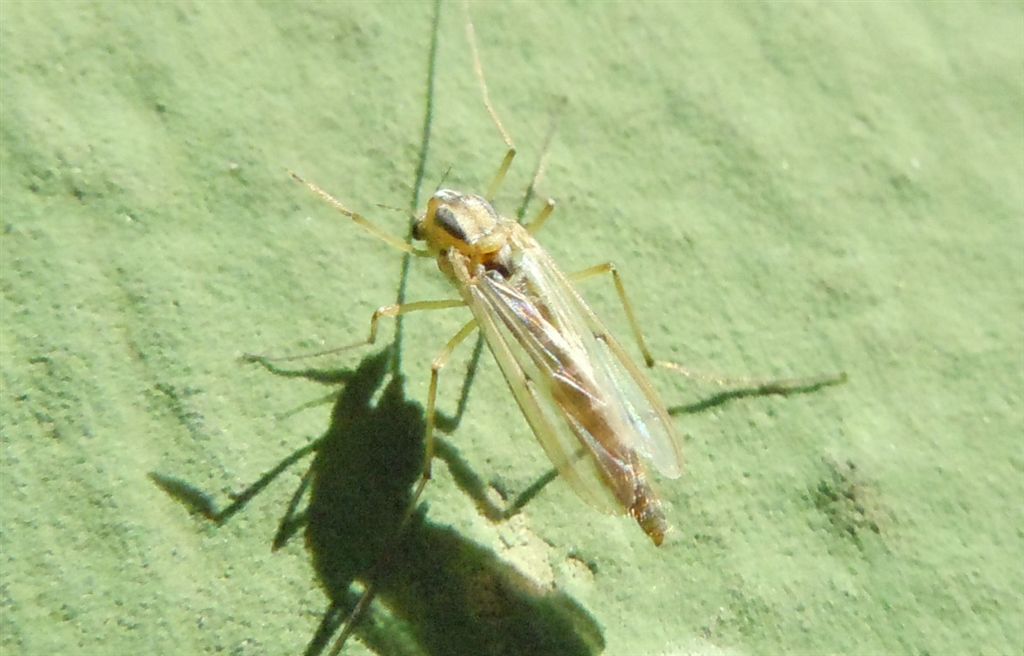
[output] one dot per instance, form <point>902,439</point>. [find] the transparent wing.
<point>591,408</point>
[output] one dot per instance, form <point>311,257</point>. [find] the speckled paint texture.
<point>788,189</point>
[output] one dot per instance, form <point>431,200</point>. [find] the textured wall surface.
<point>787,189</point>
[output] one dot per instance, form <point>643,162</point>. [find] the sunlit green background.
<point>789,189</point>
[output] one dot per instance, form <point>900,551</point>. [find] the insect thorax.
<point>467,233</point>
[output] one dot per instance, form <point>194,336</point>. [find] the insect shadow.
<point>444,593</point>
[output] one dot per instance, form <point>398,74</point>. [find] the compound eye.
<point>449,223</point>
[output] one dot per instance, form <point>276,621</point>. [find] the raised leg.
<point>538,172</point>
<point>758,385</point>
<point>538,221</point>
<point>361,220</point>
<point>428,455</point>
<point>389,311</point>
<point>510,154</point>
<point>478,68</point>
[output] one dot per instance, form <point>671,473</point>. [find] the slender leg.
<point>428,455</point>
<point>510,154</point>
<point>435,371</point>
<point>478,68</point>
<point>627,307</point>
<point>361,220</point>
<point>761,386</point>
<point>538,221</point>
<point>389,311</point>
<point>542,163</point>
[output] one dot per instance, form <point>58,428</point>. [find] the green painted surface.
<point>787,189</point>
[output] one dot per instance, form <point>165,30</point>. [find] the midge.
<point>591,407</point>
